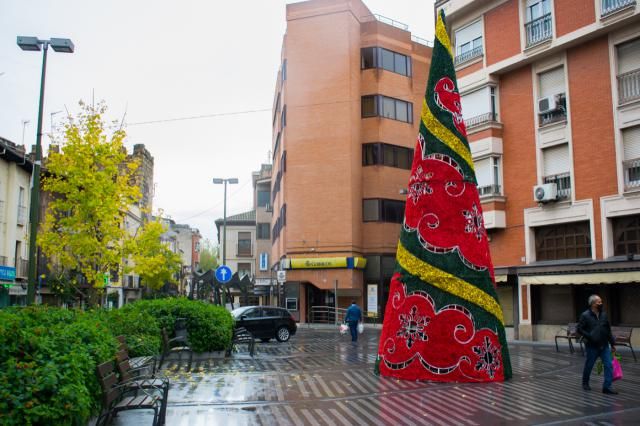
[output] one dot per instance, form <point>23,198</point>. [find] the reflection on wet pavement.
<point>320,378</point>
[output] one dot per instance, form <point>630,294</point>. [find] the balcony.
<point>489,190</point>
<point>539,30</point>
<point>468,55</point>
<point>629,86</point>
<point>22,215</point>
<point>479,120</point>
<point>631,174</point>
<point>613,6</point>
<point>563,182</point>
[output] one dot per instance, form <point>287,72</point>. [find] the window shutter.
<point>556,160</point>
<point>483,172</point>
<point>552,82</point>
<point>631,142</point>
<point>629,56</point>
<point>467,34</point>
<point>476,103</point>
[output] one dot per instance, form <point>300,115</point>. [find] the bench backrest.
<point>622,334</point>
<point>572,329</point>
<point>108,381</point>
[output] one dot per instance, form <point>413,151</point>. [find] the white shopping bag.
<point>343,328</point>
<point>360,328</point>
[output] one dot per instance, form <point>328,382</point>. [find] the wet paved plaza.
<point>320,378</point>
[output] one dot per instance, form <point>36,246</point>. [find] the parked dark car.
<point>266,322</point>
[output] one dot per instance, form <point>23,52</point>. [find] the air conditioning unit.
<point>545,192</point>
<point>547,104</point>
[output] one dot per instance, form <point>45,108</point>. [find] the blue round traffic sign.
<point>223,274</point>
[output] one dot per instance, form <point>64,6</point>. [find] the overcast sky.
<point>165,60</point>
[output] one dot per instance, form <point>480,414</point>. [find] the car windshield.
<point>239,311</point>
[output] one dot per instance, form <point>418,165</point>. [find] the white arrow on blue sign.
<point>223,274</point>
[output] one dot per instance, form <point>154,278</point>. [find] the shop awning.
<point>597,278</point>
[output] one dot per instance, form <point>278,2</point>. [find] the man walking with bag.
<point>354,315</point>
<point>595,329</point>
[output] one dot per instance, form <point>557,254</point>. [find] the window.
<point>244,243</point>
<point>276,110</point>
<point>626,235</point>
<point>252,313</point>
<point>565,241</point>
<point>379,57</point>
<point>468,42</point>
<point>283,117</point>
<point>385,154</point>
<point>382,210</point>
<point>552,104</point>
<point>264,261</point>
<point>488,176</point>
<point>281,222</point>
<point>479,107</point>
<point>557,168</point>
<point>22,208</point>
<point>395,109</point>
<point>552,304</point>
<point>284,70</point>
<point>292,304</point>
<point>538,27</point>
<point>629,71</point>
<point>631,163</point>
<point>263,197</point>
<point>263,231</point>
<point>244,269</point>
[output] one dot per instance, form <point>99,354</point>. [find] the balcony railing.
<point>421,40</point>
<point>563,182</point>
<point>22,215</point>
<point>22,268</point>
<point>538,30</point>
<point>489,190</point>
<point>631,174</point>
<point>488,117</point>
<point>385,20</point>
<point>553,117</point>
<point>629,86</point>
<point>244,250</point>
<point>612,6</point>
<point>468,55</point>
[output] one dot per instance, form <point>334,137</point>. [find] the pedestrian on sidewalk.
<point>595,329</point>
<point>353,317</point>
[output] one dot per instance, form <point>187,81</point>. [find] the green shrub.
<point>140,328</point>
<point>47,365</point>
<point>210,327</point>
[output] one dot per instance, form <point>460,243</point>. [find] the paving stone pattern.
<point>320,378</point>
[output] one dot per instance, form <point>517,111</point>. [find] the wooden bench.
<point>140,362</point>
<point>242,335</point>
<point>177,345</point>
<point>116,397</point>
<point>570,333</point>
<point>622,336</point>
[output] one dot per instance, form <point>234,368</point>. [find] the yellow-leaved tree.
<point>90,185</point>
<point>153,260</point>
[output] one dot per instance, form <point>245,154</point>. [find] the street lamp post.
<point>230,181</point>
<point>34,44</point>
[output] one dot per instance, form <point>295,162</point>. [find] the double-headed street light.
<point>219,181</point>
<point>63,45</point>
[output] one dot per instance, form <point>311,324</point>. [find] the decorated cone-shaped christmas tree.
<point>443,321</point>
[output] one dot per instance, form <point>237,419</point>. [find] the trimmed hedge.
<point>48,355</point>
<point>48,358</point>
<point>210,327</point>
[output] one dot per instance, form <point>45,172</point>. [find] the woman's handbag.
<point>617,369</point>
<point>361,329</point>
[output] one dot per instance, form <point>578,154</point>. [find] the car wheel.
<point>265,339</point>
<point>283,334</point>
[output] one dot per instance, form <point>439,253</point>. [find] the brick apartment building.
<point>551,97</point>
<point>346,114</point>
